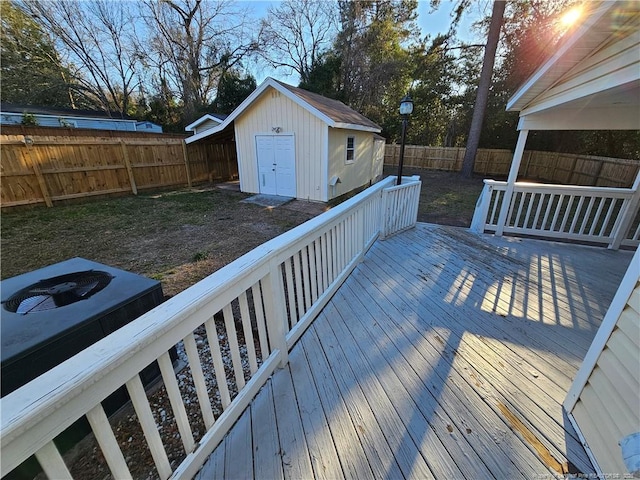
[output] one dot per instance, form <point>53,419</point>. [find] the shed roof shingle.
<point>334,109</point>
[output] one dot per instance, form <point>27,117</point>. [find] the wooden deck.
<point>444,355</point>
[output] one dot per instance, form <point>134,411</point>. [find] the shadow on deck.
<point>444,355</point>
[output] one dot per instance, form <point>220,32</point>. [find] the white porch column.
<point>626,215</point>
<point>513,175</point>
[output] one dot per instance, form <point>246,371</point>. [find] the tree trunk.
<point>483,88</point>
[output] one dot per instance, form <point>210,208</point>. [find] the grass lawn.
<point>182,236</point>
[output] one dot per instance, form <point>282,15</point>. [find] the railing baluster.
<point>52,463</point>
<point>299,291</point>
<point>260,320</point>
<point>508,221</point>
<point>177,404</point>
<point>324,256</point>
<point>587,214</point>
<point>234,349</point>
<point>576,215</point>
<point>318,252</point>
<point>536,217</point>
<point>532,197</point>
<point>605,222</point>
<point>218,365</point>
<point>335,270</point>
<point>313,271</point>
<point>596,218</point>
<point>108,443</point>
<point>495,206</point>
<point>567,213</point>
<point>556,213</point>
<point>191,349</point>
<point>291,294</point>
<point>306,255</point>
<point>550,199</point>
<point>149,427</point>
<point>248,332</point>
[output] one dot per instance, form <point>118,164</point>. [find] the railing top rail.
<point>22,409</point>
<point>548,187</point>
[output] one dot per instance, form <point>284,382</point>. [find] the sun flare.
<point>571,17</point>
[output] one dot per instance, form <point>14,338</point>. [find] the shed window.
<point>351,150</point>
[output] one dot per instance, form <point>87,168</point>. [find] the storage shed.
<point>294,143</point>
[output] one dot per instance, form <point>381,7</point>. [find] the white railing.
<point>238,324</point>
<point>401,207</point>
<point>587,214</point>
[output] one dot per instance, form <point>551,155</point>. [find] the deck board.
<point>266,449</point>
<point>445,354</point>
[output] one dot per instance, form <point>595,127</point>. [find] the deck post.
<point>482,209</point>
<point>276,315</point>
<point>626,216</point>
<point>511,180</point>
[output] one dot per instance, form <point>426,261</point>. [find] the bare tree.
<point>296,33</point>
<point>193,43</point>
<point>482,94</point>
<point>96,37</point>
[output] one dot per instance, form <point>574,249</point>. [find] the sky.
<point>429,23</point>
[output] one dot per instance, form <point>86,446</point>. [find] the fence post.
<point>482,209</point>
<point>28,142</point>
<point>186,162</point>
<point>127,163</point>
<point>276,314</point>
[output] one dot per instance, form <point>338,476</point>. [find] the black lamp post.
<point>406,107</point>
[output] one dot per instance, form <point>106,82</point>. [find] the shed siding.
<point>352,175</point>
<point>608,408</point>
<point>613,65</point>
<point>272,110</point>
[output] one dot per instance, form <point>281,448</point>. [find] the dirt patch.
<point>179,237</point>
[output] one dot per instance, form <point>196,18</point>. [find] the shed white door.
<point>276,164</point>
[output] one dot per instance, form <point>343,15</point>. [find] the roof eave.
<point>192,126</point>
<point>519,100</point>
<point>353,126</point>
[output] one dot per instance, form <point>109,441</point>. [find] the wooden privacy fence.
<point>51,167</point>
<point>563,168</point>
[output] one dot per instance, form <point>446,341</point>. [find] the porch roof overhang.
<point>592,82</point>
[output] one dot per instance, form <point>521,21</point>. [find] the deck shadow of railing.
<point>478,303</point>
<point>278,288</point>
